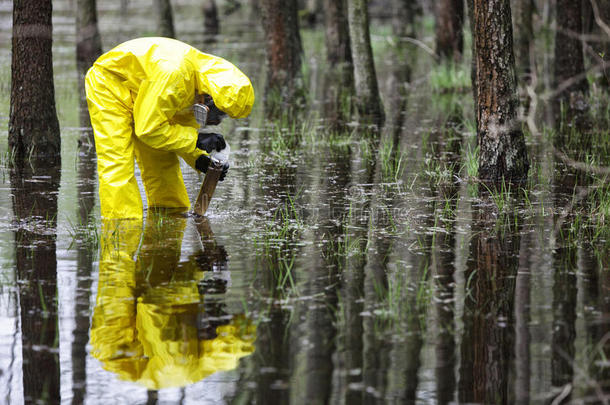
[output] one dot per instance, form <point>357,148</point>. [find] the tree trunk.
<point>33,125</point>
<point>569,80</point>
<point>368,101</point>
<point>403,20</point>
<point>337,33</point>
<point>211,23</point>
<point>449,22</point>
<point>165,19</point>
<point>502,152</point>
<point>88,41</point>
<point>473,60</point>
<point>338,52</point>
<point>600,14</point>
<point>311,14</point>
<point>524,34</point>
<point>281,26</point>
<point>88,49</point>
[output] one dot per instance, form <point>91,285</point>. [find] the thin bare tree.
<point>368,101</point>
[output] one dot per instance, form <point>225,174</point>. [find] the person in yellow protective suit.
<point>152,324</point>
<point>139,96</point>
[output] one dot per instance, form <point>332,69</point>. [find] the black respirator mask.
<point>215,116</point>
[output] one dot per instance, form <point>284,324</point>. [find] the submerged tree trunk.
<point>449,22</point>
<point>502,152</point>
<point>211,23</point>
<point>368,101</point>
<point>569,81</point>
<point>524,35</point>
<point>281,26</point>
<point>33,125</point>
<point>165,19</point>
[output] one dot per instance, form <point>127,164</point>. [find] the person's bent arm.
<point>157,102</point>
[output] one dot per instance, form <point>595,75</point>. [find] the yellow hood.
<point>154,59</point>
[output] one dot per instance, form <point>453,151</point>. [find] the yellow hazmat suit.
<point>139,95</point>
<point>146,325</point>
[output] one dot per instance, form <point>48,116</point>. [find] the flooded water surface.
<point>332,267</point>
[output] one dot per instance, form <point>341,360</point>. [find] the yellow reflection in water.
<point>151,324</point>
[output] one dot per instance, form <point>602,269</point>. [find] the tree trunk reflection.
<point>487,344</point>
<point>35,187</point>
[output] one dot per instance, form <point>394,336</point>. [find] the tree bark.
<point>502,151</point>
<point>281,27</point>
<point>569,77</point>
<point>165,19</point>
<point>211,23</point>
<point>33,125</point>
<point>449,23</point>
<point>524,34</point>
<point>368,101</point>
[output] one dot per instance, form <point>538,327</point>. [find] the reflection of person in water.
<point>151,323</point>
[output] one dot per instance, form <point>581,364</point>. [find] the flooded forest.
<point>415,210</point>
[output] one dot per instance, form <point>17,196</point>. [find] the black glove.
<point>210,141</point>
<point>225,169</point>
<point>203,162</point>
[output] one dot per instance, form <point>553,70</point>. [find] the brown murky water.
<point>333,269</point>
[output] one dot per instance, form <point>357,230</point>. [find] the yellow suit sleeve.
<point>157,101</point>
